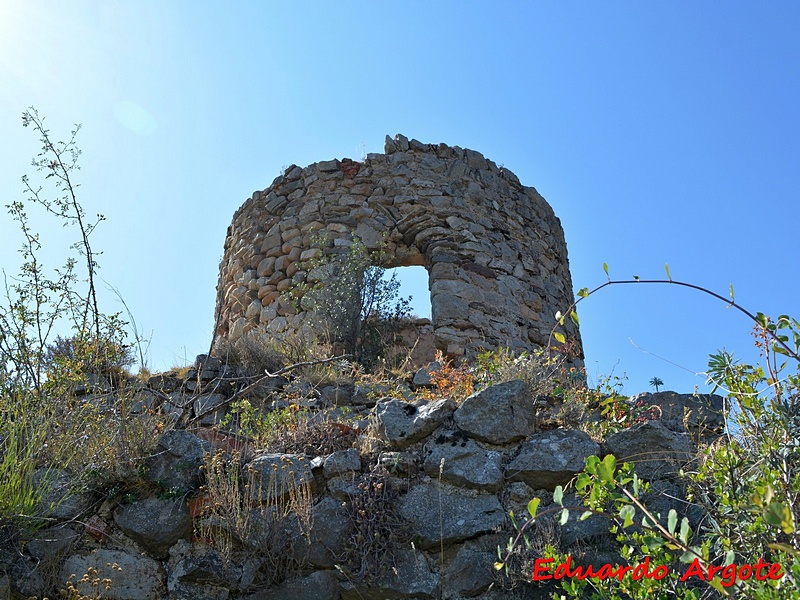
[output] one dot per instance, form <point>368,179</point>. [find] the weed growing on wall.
<point>352,305</point>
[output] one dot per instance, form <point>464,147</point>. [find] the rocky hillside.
<point>289,486</point>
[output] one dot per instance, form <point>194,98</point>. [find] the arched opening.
<point>414,283</point>
<point>416,341</point>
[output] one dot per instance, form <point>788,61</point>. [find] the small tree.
<point>353,305</point>
<point>656,383</point>
<point>37,372</point>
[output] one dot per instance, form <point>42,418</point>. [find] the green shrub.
<point>351,304</point>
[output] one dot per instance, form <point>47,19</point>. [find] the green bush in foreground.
<point>746,485</point>
<point>42,424</point>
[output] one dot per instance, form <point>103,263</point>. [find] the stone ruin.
<point>493,248</point>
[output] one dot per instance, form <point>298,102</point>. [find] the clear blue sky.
<point>660,132</point>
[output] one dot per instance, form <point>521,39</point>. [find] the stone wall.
<point>493,248</point>
<point>434,479</point>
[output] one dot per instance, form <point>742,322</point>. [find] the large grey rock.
<point>343,461</point>
<point>460,461</point>
<point>551,458</point>
<point>441,513</point>
<point>702,415</point>
<point>422,378</point>
<point>338,395</point>
<point>154,524</point>
<point>410,577</point>
<point>199,572</point>
<point>656,451</point>
<point>276,475</point>
<point>134,578</point>
<point>62,498</point>
<point>324,545</point>
<point>499,414</point>
<point>176,463</point>
<point>320,585</point>
<point>52,543</point>
<point>470,572</point>
<point>210,402</point>
<point>401,424</point>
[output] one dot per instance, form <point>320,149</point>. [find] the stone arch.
<point>493,248</point>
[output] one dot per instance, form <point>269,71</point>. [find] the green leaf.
<point>666,268</point>
<point>560,337</point>
<point>562,520</point>
<point>591,464</point>
<point>783,548</point>
<point>586,515</point>
<point>672,520</point>
<point>730,556</point>
<point>574,316</point>
<point>716,583</point>
<point>583,293</point>
<point>605,470</point>
<point>636,278</point>
<point>686,531</point>
<point>533,506</point>
<point>627,512</point>
<point>732,297</point>
<point>605,268</point>
<point>559,317</point>
<point>558,496</point>
<point>688,556</point>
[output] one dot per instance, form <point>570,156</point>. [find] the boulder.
<point>132,577</point>
<point>199,573</point>
<point>51,544</point>
<point>338,395</point>
<point>176,463</point>
<point>410,577</point>
<point>341,462</point>
<point>551,458</point>
<point>62,499</point>
<point>324,546</point>
<point>277,474</point>
<point>461,462</point>
<point>656,451</point>
<point>441,513</point>
<point>702,414</point>
<point>155,524</point>
<point>208,402</point>
<point>320,585</point>
<point>470,572</point>
<point>401,424</point>
<point>499,414</point>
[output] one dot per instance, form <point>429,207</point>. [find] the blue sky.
<point>659,132</point>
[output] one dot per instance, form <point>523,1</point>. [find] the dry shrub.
<point>315,435</point>
<point>378,530</point>
<point>234,519</point>
<point>101,436</point>
<point>255,353</point>
<point>454,381</point>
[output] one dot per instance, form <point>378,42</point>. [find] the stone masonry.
<point>493,248</point>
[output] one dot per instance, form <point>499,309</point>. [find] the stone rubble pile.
<point>456,472</point>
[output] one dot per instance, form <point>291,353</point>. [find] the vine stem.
<point>729,301</point>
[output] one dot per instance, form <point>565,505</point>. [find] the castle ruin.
<point>493,248</point>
